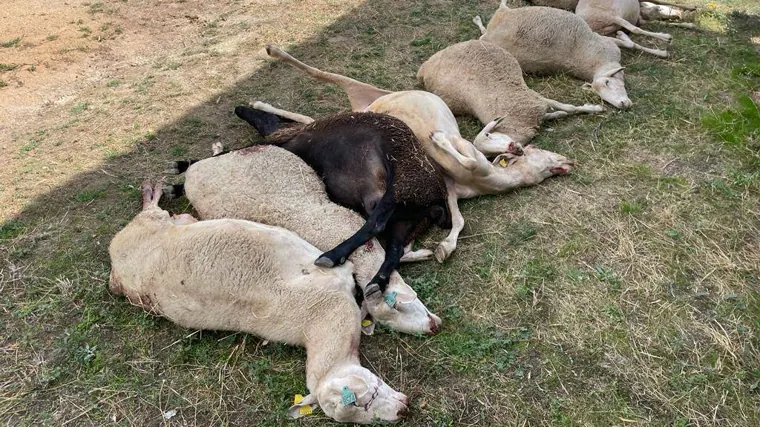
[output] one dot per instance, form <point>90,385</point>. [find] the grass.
<point>11,43</point>
<point>623,294</point>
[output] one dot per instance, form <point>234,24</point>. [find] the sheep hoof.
<point>172,168</point>
<point>168,192</point>
<point>217,148</point>
<point>371,290</point>
<point>442,252</point>
<point>324,262</point>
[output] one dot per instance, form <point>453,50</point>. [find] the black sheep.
<point>371,163</point>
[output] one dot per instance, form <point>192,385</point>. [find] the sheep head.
<point>352,394</point>
<point>610,85</point>
<point>400,309</point>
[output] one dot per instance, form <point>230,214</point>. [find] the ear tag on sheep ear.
<point>503,162</point>
<point>390,298</point>
<point>366,323</point>
<point>347,396</point>
<point>303,410</point>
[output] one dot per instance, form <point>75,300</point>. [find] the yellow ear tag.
<point>503,163</point>
<point>366,322</point>
<point>303,410</point>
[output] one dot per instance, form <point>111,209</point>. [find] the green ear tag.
<point>390,299</point>
<point>347,397</point>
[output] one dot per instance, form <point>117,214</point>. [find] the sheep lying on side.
<point>238,275</point>
<point>371,163</point>
<point>273,186</point>
<point>667,12</point>
<point>481,79</point>
<point>650,10</point>
<point>468,172</point>
<point>607,17</point>
<point>545,40</point>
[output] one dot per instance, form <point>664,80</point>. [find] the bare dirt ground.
<point>626,293</point>
<point>91,77</point>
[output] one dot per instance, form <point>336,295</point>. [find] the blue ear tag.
<point>347,397</point>
<point>390,298</point>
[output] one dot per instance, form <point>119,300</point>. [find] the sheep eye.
<point>607,82</point>
<point>488,135</point>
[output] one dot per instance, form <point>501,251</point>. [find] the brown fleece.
<point>416,179</point>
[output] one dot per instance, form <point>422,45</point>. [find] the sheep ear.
<point>492,124</point>
<point>405,298</point>
<point>613,71</point>
<point>368,324</point>
<point>304,406</point>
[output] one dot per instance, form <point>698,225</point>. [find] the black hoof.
<point>324,262</point>
<point>372,289</point>
<point>168,192</point>
<point>172,168</point>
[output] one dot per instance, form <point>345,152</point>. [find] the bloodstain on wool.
<point>252,149</point>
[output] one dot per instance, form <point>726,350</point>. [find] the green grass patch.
<point>12,228</point>
<point>80,107</point>
<point>178,151</point>
<point>735,126</point>
<point>11,43</point>
<point>632,206</point>
<point>97,7</point>
<point>89,195</point>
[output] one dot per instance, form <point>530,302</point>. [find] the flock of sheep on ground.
<point>388,170</point>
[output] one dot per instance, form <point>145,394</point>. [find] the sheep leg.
<point>569,109</point>
<point>147,195</point>
<point>447,245</point>
<point>623,40</point>
<point>636,30</point>
<point>416,256</point>
<point>479,22</point>
<point>666,3</point>
<point>673,24</point>
<point>263,106</point>
<point>394,250</point>
<point>361,95</point>
<point>151,193</point>
<point>374,225</point>
<point>554,115</point>
<point>174,191</point>
<point>454,157</point>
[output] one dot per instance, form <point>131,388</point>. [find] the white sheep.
<point>271,185</point>
<point>481,79</point>
<point>239,275</point>
<point>667,12</point>
<point>545,40</point>
<point>607,17</point>
<point>650,10</point>
<point>468,172</point>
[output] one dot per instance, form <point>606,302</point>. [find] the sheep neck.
<point>501,179</point>
<point>332,340</point>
